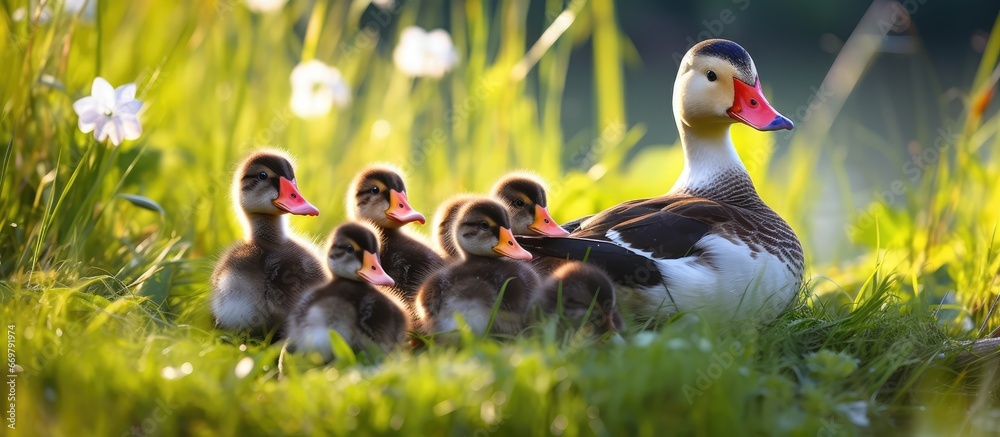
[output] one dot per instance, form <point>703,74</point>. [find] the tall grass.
<point>105,251</point>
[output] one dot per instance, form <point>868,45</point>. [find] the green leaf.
<point>143,202</point>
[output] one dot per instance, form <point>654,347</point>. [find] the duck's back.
<point>256,285</point>
<point>407,261</point>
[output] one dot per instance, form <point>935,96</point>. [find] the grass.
<point>106,251</point>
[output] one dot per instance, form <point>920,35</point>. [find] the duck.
<point>378,195</point>
<point>491,260</point>
<point>710,244</point>
<point>524,196</point>
<point>350,303</point>
<point>257,282</point>
<point>576,289</point>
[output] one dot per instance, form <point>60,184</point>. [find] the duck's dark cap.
<point>730,52</point>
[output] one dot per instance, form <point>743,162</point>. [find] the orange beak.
<point>545,225</point>
<point>291,201</point>
<point>508,246</point>
<point>400,210</point>
<point>751,108</point>
<point>372,272</point>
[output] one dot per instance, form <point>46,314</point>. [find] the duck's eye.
<point>349,249</point>
<point>262,176</point>
<point>711,76</point>
<point>519,203</point>
<point>483,225</point>
<point>374,190</point>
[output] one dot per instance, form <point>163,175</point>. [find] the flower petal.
<point>85,105</point>
<point>130,107</point>
<point>130,126</point>
<point>89,121</point>
<point>103,92</point>
<point>125,93</point>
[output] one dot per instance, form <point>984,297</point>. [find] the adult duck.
<point>710,244</point>
<point>256,283</point>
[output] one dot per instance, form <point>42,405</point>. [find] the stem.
<point>314,30</point>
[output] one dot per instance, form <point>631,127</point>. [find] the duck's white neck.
<point>709,158</point>
<point>266,227</point>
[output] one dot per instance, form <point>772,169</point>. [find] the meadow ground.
<point>105,251</point>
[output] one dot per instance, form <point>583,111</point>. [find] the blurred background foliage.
<point>872,87</point>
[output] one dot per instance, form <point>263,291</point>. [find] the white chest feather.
<point>727,279</point>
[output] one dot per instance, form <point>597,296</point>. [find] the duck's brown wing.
<point>626,238</point>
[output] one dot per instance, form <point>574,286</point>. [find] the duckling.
<point>349,303</point>
<point>472,284</point>
<point>257,282</point>
<point>524,196</point>
<point>575,285</point>
<point>378,195</point>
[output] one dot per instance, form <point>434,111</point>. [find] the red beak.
<point>291,201</point>
<point>545,225</point>
<point>508,246</point>
<point>400,210</point>
<point>750,107</point>
<point>372,272</point>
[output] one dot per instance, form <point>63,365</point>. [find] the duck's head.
<point>717,85</point>
<point>483,229</point>
<point>265,184</point>
<point>352,253</point>
<point>378,194</point>
<point>586,288</point>
<point>524,195</point>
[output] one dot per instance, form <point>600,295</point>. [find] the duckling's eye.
<point>262,176</point>
<point>519,203</point>
<point>483,225</point>
<point>711,76</point>
<point>349,248</point>
<point>374,190</point>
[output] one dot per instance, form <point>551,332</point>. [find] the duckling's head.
<point>583,285</point>
<point>265,184</point>
<point>352,253</point>
<point>717,85</point>
<point>483,229</point>
<point>524,196</point>
<point>378,194</point>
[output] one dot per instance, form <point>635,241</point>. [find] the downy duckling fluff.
<point>524,196</point>
<point>471,286</point>
<point>378,195</point>
<point>710,244</point>
<point>580,288</point>
<point>257,282</point>
<point>349,303</point>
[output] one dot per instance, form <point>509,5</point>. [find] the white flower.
<point>422,53</point>
<point>316,87</point>
<point>71,7</point>
<point>109,112</point>
<point>384,4</point>
<point>265,6</point>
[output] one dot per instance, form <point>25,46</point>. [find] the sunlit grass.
<point>108,295</point>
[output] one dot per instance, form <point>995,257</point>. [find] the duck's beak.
<point>291,201</point>
<point>400,210</point>
<point>508,246</point>
<point>750,107</point>
<point>372,272</point>
<point>545,225</point>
